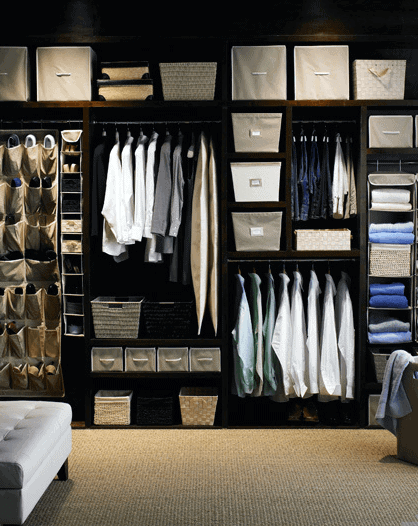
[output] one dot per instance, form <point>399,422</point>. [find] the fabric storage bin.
<point>106,359</point>
<point>188,80</point>
<point>379,360</point>
<point>167,319</point>
<point>321,73</point>
<point>336,239</point>
<point>390,131</point>
<point>142,359</point>
<point>198,405</point>
<point>14,74</point>
<point>65,73</point>
<point>112,408</point>
<point>379,79</point>
<point>255,231</point>
<point>71,226</point>
<point>71,184</point>
<point>259,72</point>
<point>116,317</point>
<point>124,70</point>
<point>256,132</point>
<point>155,410</point>
<point>125,89</point>
<point>205,359</point>
<point>71,246</point>
<point>256,181</point>
<point>173,359</point>
<point>389,260</point>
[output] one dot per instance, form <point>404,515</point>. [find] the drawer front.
<point>141,359</point>
<point>70,246</point>
<point>205,359</point>
<point>390,131</point>
<point>107,359</point>
<point>173,359</point>
<point>69,226</point>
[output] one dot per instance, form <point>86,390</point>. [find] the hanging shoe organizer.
<point>71,232</point>
<point>30,289</point>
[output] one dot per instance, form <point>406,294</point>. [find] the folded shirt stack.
<point>391,199</point>
<point>384,328</point>
<point>393,233</point>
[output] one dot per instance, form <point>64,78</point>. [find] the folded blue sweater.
<point>390,337</point>
<point>398,238</point>
<point>391,301</point>
<point>392,227</point>
<point>387,288</point>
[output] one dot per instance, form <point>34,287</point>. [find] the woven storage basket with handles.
<point>198,405</point>
<point>379,79</point>
<point>188,80</point>
<point>115,317</point>
<point>336,239</point>
<point>390,260</point>
<point>380,361</point>
<point>112,408</point>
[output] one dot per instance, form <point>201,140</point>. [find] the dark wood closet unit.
<point>104,277</point>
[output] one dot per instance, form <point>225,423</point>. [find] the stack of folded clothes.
<point>394,233</point>
<point>391,199</point>
<point>384,328</point>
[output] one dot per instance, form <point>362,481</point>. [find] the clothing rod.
<point>398,161</point>
<point>281,261</point>
<point>41,121</point>
<point>323,122</point>
<point>156,122</point>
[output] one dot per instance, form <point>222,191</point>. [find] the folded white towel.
<point>391,195</point>
<point>402,207</point>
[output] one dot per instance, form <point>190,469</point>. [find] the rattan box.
<point>379,79</point>
<point>380,361</point>
<point>112,408</point>
<point>198,405</point>
<point>389,260</point>
<point>115,317</point>
<point>188,80</point>
<point>336,239</point>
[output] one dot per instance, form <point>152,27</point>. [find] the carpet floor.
<point>237,477</point>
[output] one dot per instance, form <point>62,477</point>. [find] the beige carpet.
<point>253,477</point>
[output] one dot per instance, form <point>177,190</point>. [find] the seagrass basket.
<point>112,408</point>
<point>380,361</point>
<point>115,317</point>
<point>188,80</point>
<point>390,260</point>
<point>198,405</point>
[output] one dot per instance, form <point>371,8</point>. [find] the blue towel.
<point>386,288</point>
<point>390,337</point>
<point>389,301</point>
<point>398,238</point>
<point>393,402</point>
<point>392,227</point>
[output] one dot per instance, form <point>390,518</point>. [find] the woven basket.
<point>112,408</point>
<point>188,80</point>
<point>337,239</point>
<point>116,317</point>
<point>125,89</point>
<point>155,410</point>
<point>198,405</point>
<point>167,319</point>
<point>390,260</point>
<point>379,79</point>
<point>380,365</point>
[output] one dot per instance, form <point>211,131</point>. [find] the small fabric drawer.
<point>257,231</point>
<point>64,73</point>
<point>256,132</point>
<point>107,359</point>
<point>71,226</point>
<point>390,131</point>
<point>259,72</point>
<point>71,246</point>
<point>205,359</point>
<point>321,73</point>
<point>173,359</point>
<point>256,181</point>
<point>14,74</point>
<point>142,359</point>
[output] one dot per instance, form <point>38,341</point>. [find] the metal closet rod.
<point>398,161</point>
<point>157,122</point>
<point>323,122</point>
<point>41,121</point>
<point>281,261</point>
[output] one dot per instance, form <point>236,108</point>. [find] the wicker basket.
<point>125,89</point>
<point>188,80</point>
<point>155,410</point>
<point>198,405</point>
<point>167,319</point>
<point>116,317</point>
<point>112,408</point>
<point>379,79</point>
<point>380,365</point>
<point>390,260</point>
<point>337,239</point>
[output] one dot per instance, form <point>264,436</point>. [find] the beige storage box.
<point>141,359</point>
<point>205,359</point>
<point>379,79</point>
<point>256,132</point>
<point>335,239</point>
<point>390,131</point>
<point>389,260</point>
<point>173,359</point>
<point>321,73</point>
<point>256,181</point>
<point>257,231</point>
<point>125,89</point>
<point>112,408</point>
<point>259,72</point>
<point>65,73</point>
<point>188,80</point>
<point>14,74</point>
<point>107,359</point>
<point>71,246</point>
<point>124,70</point>
<point>71,226</point>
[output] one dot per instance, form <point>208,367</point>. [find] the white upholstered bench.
<point>35,442</point>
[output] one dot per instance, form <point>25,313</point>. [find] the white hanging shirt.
<point>257,323</point>
<point>340,182</point>
<point>139,198</point>
<point>299,349</point>
<point>150,184</point>
<point>127,209</point>
<point>314,326</point>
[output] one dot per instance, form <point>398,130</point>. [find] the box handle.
<point>205,359</point>
<point>63,74</point>
<point>322,72</point>
<point>106,360</point>
<point>259,73</point>
<point>5,73</point>
<point>140,359</point>
<point>392,132</point>
<point>173,359</point>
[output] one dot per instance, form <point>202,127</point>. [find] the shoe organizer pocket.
<point>32,199</point>
<point>17,343</point>
<point>54,384</point>
<point>49,160</point>
<point>5,368</point>
<point>12,271</point>
<point>3,304</point>
<point>19,375</point>
<point>3,343</point>
<point>14,199</point>
<point>52,342</point>
<point>43,271</point>
<point>36,375</point>
<point>30,161</point>
<point>34,341</point>
<point>14,237</point>
<point>49,200</point>
<point>15,303</point>
<point>34,305</point>
<point>12,160</point>
<point>52,307</point>
<point>3,199</point>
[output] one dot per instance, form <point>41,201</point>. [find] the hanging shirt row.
<point>281,355</point>
<point>322,186</point>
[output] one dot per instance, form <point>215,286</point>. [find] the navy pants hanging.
<point>294,183</point>
<point>303,180</point>
<point>314,177</point>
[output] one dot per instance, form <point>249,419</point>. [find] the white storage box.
<point>173,359</point>
<point>256,132</point>
<point>205,359</point>
<point>322,73</point>
<point>141,359</point>
<point>107,359</point>
<point>259,72</point>
<point>390,131</point>
<point>379,79</point>
<point>323,239</point>
<point>257,231</point>
<point>14,74</point>
<point>64,73</point>
<point>256,181</point>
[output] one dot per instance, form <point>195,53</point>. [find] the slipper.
<point>66,168</point>
<point>49,141</point>
<point>74,168</point>
<point>30,141</point>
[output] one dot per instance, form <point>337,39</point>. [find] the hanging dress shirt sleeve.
<point>127,183</point>
<point>150,184</point>
<point>139,189</point>
<point>162,198</point>
<point>257,323</point>
<point>270,385</point>
<point>339,182</point>
<point>176,206</point>
<point>299,348</point>
<point>314,325</point>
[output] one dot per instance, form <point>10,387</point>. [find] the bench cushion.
<point>29,430</point>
